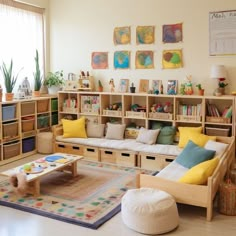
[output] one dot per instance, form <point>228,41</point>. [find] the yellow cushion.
<point>201,139</point>
<point>185,132</point>
<point>74,128</point>
<point>200,173</point>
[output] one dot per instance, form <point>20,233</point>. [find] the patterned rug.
<point>89,199</point>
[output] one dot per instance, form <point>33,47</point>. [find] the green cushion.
<point>166,135</point>
<point>193,155</point>
<point>156,125</point>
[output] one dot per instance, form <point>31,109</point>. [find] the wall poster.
<point>172,59</point>
<point>222,33</point>
<point>122,35</point>
<point>172,33</point>
<point>144,60</point>
<point>122,60</point>
<point>145,34</point>
<point>99,60</point>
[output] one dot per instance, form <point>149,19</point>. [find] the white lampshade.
<point>218,71</point>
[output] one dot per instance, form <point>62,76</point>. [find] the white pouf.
<point>149,211</point>
<point>44,142</point>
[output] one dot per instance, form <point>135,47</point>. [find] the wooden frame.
<point>196,195</point>
<point>172,87</point>
<point>143,85</point>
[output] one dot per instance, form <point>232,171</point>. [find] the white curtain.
<point>22,32</point>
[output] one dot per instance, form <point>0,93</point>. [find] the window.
<point>22,32</point>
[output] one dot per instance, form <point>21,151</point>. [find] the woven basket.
<point>227,198</point>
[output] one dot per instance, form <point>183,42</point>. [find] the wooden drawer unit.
<point>126,158</point>
<point>76,149</point>
<point>11,150</point>
<point>92,153</point>
<point>156,162</point>
<point>108,155</point>
<point>27,108</point>
<point>10,130</point>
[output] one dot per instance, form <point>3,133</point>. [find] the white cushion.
<point>147,136</point>
<point>149,211</point>
<point>216,146</point>
<point>95,130</point>
<point>115,131</point>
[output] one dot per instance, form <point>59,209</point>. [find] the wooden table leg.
<point>74,171</point>
<point>35,187</point>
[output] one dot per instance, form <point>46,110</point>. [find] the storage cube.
<point>27,108</point>
<point>108,155</point>
<point>91,153</point>
<point>217,131</point>
<point>11,150</point>
<point>126,158</point>
<point>10,130</point>
<point>54,104</point>
<point>42,105</point>
<point>54,119</point>
<point>27,124</point>
<point>76,149</point>
<point>8,112</point>
<point>42,122</point>
<point>28,144</point>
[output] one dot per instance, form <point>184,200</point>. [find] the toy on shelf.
<point>112,85</point>
<point>189,86</point>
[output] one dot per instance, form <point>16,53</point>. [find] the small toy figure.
<point>189,86</point>
<point>167,107</point>
<point>182,89</point>
<point>112,85</point>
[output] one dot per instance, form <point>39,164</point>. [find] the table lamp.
<point>219,72</point>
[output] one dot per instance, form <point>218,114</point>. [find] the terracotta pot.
<point>36,93</point>
<point>100,89</point>
<point>201,92</point>
<point>9,96</point>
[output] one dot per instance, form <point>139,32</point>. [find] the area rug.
<point>89,199</point>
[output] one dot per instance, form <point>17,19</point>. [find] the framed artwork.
<point>122,35</point>
<point>172,59</point>
<point>172,33</point>
<point>144,60</point>
<point>156,85</point>
<point>121,59</point>
<point>124,85</point>
<point>143,85</point>
<point>99,60</point>
<point>172,87</point>
<point>145,34</point>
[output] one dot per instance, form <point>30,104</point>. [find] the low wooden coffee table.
<point>43,167</point>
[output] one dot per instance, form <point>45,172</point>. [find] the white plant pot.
<point>53,89</point>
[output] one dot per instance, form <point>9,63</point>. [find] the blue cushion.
<point>193,155</point>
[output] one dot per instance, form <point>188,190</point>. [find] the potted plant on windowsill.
<point>9,80</point>
<point>38,78</point>
<point>54,81</point>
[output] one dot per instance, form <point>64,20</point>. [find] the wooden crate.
<point>28,108</point>
<point>75,149</point>
<point>11,150</point>
<point>126,158</point>
<point>108,155</point>
<point>27,124</point>
<point>42,105</point>
<point>91,153</point>
<point>70,110</point>
<point>214,119</point>
<point>10,130</point>
<point>212,131</point>
<point>136,114</point>
<point>156,162</point>
<point>161,115</point>
<point>111,113</point>
<point>188,118</point>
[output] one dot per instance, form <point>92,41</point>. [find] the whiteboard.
<point>222,33</point>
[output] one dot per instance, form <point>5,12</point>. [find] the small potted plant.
<point>38,78</point>
<point>132,88</point>
<point>200,89</point>
<point>100,87</point>
<point>9,80</point>
<point>54,81</point>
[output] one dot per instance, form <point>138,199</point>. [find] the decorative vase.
<point>36,93</point>
<point>9,96</point>
<point>53,89</point>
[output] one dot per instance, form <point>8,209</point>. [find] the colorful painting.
<point>156,86</point>
<point>99,60</point>
<point>145,34</point>
<point>172,33</point>
<point>124,84</point>
<point>172,87</point>
<point>144,60</point>
<point>121,35</point>
<point>121,59</point>
<point>172,59</point>
<point>143,85</point>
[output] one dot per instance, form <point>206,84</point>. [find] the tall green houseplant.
<point>37,75</point>
<point>9,79</point>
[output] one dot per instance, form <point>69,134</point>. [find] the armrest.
<point>57,130</point>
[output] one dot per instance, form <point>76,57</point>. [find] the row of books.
<point>212,110</point>
<point>190,110</point>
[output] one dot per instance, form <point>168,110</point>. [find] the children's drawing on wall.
<point>145,34</point>
<point>122,35</point>
<point>144,60</point>
<point>99,60</point>
<point>172,33</point>
<point>172,87</point>
<point>143,85</point>
<point>172,59</point>
<point>121,59</point>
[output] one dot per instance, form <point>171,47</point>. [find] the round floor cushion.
<point>44,142</point>
<point>149,211</point>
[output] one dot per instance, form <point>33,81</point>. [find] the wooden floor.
<point>192,222</point>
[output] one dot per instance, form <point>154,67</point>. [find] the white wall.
<point>79,27</point>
